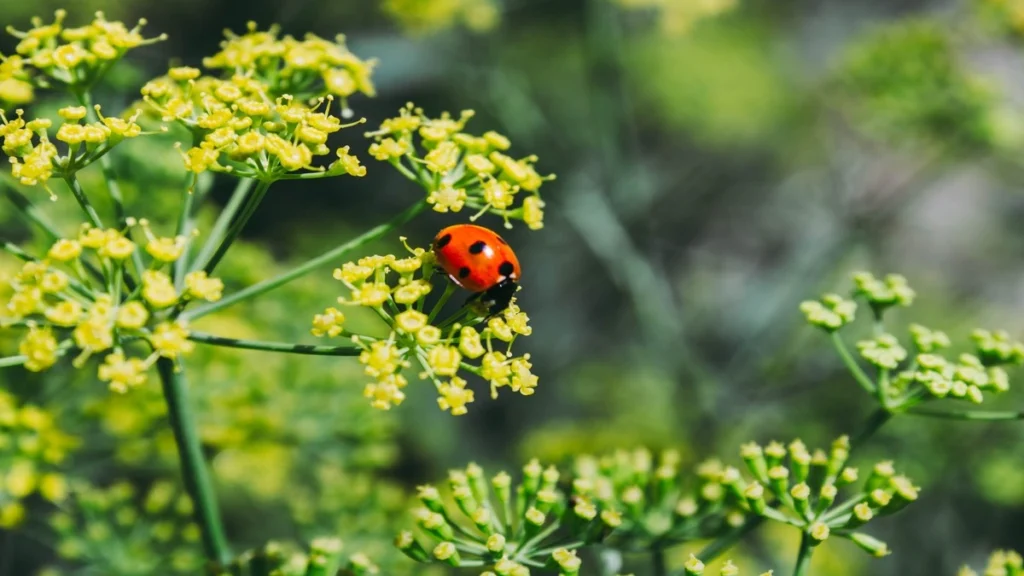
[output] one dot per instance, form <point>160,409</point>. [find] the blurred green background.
<point>712,173</point>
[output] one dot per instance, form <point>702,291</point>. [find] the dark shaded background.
<point>707,183</point>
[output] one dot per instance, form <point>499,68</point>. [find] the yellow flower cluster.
<point>34,157</point>
<point>31,449</point>
<point>81,296</point>
<point>396,289</point>
<point>77,56</point>
<point>269,115</point>
<point>680,16</point>
<point>108,528</point>
<point>423,16</point>
<point>459,169</point>
<point>15,81</point>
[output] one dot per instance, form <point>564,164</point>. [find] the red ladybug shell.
<point>475,257</point>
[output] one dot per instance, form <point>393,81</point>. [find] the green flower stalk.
<point>504,528</point>
<point>659,506</point>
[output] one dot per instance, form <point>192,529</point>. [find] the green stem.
<point>29,211</point>
<point>803,558</point>
<point>851,364</point>
<point>252,202</point>
<point>223,221</point>
<point>658,565</point>
<point>12,361</point>
<point>978,415</point>
<point>288,347</point>
<point>83,201</point>
<point>877,419</point>
<point>308,266</point>
<point>449,289</point>
<point>193,467</point>
<point>718,546</point>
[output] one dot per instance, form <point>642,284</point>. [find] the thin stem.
<point>83,201</point>
<point>449,289</point>
<point>29,211</point>
<point>252,202</point>
<point>308,266</point>
<point>851,364</point>
<point>193,468</point>
<point>876,420</point>
<point>717,547</point>
<point>978,415</point>
<point>803,558</point>
<point>287,347</point>
<point>186,223</point>
<point>12,361</point>
<point>658,565</point>
<point>223,221</point>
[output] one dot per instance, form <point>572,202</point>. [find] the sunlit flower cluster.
<point>83,296</point>
<point>694,567</point>
<point>323,556</point>
<point>117,530</point>
<point>76,56</point>
<point>460,170</point>
<point>1000,563</point>
<point>423,16</point>
<point>795,486</point>
<point>506,528</point>
<point>15,81</point>
<point>831,313</point>
<point>32,448</point>
<point>35,157</point>
<point>680,16</point>
<point>269,115</point>
<point>470,341</point>
<point>658,504</point>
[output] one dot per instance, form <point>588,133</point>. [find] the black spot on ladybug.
<point>506,269</point>
<point>477,247</point>
<point>443,241</point>
<point>464,271</point>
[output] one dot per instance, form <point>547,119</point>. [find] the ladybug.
<point>479,260</point>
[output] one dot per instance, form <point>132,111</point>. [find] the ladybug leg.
<point>499,296</point>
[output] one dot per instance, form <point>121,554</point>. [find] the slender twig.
<point>310,265</point>
<point>252,203</point>
<point>966,414</point>
<point>658,565</point>
<point>83,201</point>
<point>223,221</point>
<point>876,420</point>
<point>287,347</point>
<point>851,364</point>
<point>193,467</point>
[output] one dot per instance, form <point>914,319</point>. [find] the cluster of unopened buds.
<point>323,556</point>
<point>794,486</point>
<point>1000,563</point>
<point>32,448</point>
<point>906,378</point>
<point>110,528</point>
<point>658,505</point>
<point>461,170</point>
<point>491,524</point>
<point>95,295</point>
<point>469,341</point>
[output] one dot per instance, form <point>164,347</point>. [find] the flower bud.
<point>754,495</point>
<point>446,552</point>
<point>496,544</point>
<point>826,496</point>
<point>406,542</point>
<point>801,493</point>
<point>870,544</point>
<point>881,473</point>
<point>568,563</point>
<point>693,566</point>
<point>818,532</point>
<point>753,456</point>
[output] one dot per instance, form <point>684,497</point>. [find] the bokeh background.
<point>715,167</point>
